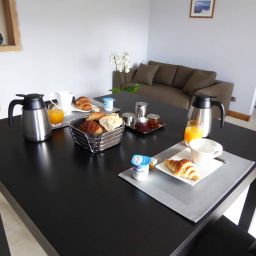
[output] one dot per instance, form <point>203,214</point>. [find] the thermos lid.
<point>201,101</point>
<point>32,101</point>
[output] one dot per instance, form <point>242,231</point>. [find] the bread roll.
<point>96,116</point>
<point>91,127</point>
<point>183,168</point>
<point>111,122</point>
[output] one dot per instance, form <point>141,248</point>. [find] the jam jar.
<point>141,124</point>
<point>153,121</point>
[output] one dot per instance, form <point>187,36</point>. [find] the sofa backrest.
<point>182,76</point>
<point>173,75</point>
<point>165,73</point>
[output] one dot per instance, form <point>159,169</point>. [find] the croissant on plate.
<point>183,168</point>
<point>83,103</point>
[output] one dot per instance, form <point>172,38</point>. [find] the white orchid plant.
<point>121,61</point>
<point>122,64</point>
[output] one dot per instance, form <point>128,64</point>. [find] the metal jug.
<point>140,109</point>
<point>201,110</point>
<point>35,121</point>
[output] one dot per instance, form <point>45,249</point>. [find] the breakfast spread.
<point>183,168</point>
<point>83,103</point>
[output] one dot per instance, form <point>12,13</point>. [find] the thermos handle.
<point>10,110</point>
<point>222,111</point>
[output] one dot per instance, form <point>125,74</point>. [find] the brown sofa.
<point>175,84</point>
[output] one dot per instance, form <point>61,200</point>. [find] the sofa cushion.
<point>199,79</point>
<point>165,73</point>
<point>182,75</point>
<point>166,94</point>
<point>145,74</point>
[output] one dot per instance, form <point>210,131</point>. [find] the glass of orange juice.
<point>193,130</point>
<point>56,115</point>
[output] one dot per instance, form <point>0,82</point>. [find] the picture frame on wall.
<point>202,8</point>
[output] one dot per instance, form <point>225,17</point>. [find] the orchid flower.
<point>121,61</point>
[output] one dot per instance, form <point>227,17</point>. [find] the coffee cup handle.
<point>217,153</point>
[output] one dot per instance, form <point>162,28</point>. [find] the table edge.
<point>216,212</point>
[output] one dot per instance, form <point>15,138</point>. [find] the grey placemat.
<point>76,114</point>
<point>191,202</point>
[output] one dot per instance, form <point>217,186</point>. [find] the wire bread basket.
<point>93,143</point>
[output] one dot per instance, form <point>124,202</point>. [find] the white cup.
<point>203,150</point>
<point>64,99</point>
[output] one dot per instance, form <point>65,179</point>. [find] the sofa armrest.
<point>119,78</point>
<point>222,91</point>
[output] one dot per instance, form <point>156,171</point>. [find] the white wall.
<point>66,46</point>
<point>225,44</point>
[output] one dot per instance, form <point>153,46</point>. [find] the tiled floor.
<point>22,243</point>
<point>20,240</point>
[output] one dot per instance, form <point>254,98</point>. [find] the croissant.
<point>92,128</point>
<point>83,99</point>
<point>183,168</point>
<point>83,103</point>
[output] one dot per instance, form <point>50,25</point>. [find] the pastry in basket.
<point>91,127</point>
<point>183,168</point>
<point>111,122</point>
<point>96,116</point>
<point>83,103</point>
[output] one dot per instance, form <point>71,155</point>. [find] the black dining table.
<point>74,203</point>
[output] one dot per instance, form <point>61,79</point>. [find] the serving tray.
<point>192,202</point>
<point>161,125</point>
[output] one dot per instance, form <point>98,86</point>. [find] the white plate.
<point>75,109</point>
<point>204,170</point>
